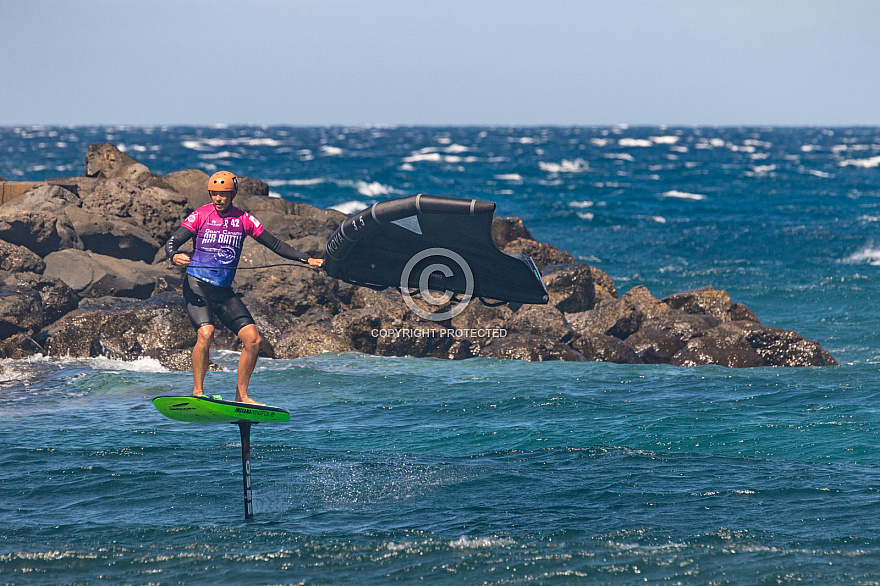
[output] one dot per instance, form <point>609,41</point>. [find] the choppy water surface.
<point>490,471</point>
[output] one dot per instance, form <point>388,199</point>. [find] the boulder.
<point>156,210</point>
<point>725,345</point>
<point>779,347</point>
<point>20,311</point>
<point>506,230</point>
<point>708,301</point>
<point>570,287</point>
<point>112,237</point>
<point>251,186</point>
<point>122,328</point>
<point>192,184</point>
<point>659,338</point>
<point>39,231</point>
<point>603,286</point>
<point>620,317</point>
<point>542,253</point>
<point>15,258</point>
<point>43,198</point>
<point>602,348</point>
<point>308,340</point>
<point>654,346</point>
<point>518,346</point>
<point>106,161</point>
<point>56,298</point>
<point>97,275</point>
<point>544,321</point>
<point>18,346</point>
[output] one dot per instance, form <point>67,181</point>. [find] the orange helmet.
<point>223,181</point>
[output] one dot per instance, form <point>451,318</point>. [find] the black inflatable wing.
<point>423,242</point>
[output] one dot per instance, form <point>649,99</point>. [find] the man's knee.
<point>206,335</point>
<point>250,337</point>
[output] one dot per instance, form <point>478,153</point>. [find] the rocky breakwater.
<point>82,273</point>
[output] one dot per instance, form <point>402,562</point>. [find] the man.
<point>219,229</point>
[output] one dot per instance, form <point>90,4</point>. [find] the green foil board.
<point>207,410</point>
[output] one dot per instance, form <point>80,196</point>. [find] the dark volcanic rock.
<point>654,346</point>
<point>725,345</point>
<point>517,346</point>
<point>17,258</point>
<point>96,275</point>
<point>106,161</point>
<point>544,321</point>
<point>56,298</point>
<point>308,340</point>
<point>602,348</point>
<point>787,348</point>
<point>251,186</point>
<point>506,230</point>
<point>20,311</point>
<point>570,287</point>
<point>40,232</point>
<point>122,328</point>
<point>708,301</point>
<point>192,184</point>
<point>112,237</point>
<point>620,317</point>
<point>542,253</point>
<point>19,346</point>
<point>155,209</point>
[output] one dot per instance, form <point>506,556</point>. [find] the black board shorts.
<point>204,301</point>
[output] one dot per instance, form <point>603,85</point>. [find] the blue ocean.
<point>485,471</point>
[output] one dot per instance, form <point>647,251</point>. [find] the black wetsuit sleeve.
<point>177,239</point>
<point>280,247</point>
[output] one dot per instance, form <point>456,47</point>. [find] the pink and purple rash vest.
<point>218,242</point>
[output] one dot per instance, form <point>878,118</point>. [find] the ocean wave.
<point>683,195</point>
<point>869,163</point>
<point>509,177</point>
<point>350,207</point>
<point>331,151</point>
<point>566,166</point>
<point>220,155</point>
<point>867,255</point>
<point>204,144</point>
<point>634,143</point>
<point>296,182</point>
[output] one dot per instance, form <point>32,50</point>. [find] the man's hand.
<point>181,259</point>
<point>316,262</point>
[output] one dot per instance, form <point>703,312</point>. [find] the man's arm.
<point>284,249</point>
<point>174,243</point>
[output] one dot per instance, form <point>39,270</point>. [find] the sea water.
<point>488,471</point>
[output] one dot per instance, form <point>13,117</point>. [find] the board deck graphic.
<point>208,410</point>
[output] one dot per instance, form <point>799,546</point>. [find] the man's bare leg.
<point>250,337</point>
<point>201,357</point>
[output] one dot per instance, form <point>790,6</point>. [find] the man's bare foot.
<point>198,393</point>
<point>248,400</point>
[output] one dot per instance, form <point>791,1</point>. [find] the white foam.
<point>809,148</point>
<point>821,174</point>
<point>331,151</point>
<point>634,143</point>
<point>466,542</point>
<point>509,177</point>
<point>373,189</point>
<point>581,204</point>
<point>863,163</point>
<point>588,216</point>
<point>456,148</point>
<point>761,170</point>
<point>204,144</point>
<point>424,157</point>
<point>600,142</point>
<point>566,166</point>
<point>684,195</point>
<point>220,155</point>
<point>867,255</point>
<point>350,207</point>
<point>658,219</point>
<point>621,156</point>
<point>296,182</point>
<point>672,139</point>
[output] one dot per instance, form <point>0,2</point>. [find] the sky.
<point>440,62</point>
